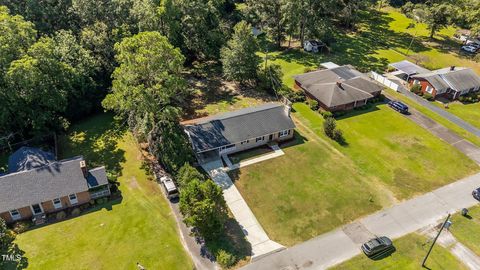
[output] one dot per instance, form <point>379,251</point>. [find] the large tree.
<point>239,58</point>
<point>436,16</point>
<point>147,84</point>
<point>269,15</point>
<point>195,26</point>
<point>14,258</point>
<point>203,207</point>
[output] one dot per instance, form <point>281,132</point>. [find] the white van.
<point>170,189</point>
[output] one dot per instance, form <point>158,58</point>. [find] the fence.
<point>379,78</point>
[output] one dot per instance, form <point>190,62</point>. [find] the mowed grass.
<point>445,122</point>
<point>468,112</point>
<point>411,249</point>
<point>467,230</point>
<point>319,185</point>
<point>139,228</point>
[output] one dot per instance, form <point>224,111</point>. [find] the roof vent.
<point>83,167</point>
<point>339,84</point>
<point>452,68</point>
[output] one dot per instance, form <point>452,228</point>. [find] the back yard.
<point>138,228</point>
<point>319,185</point>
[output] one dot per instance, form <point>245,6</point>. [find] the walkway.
<point>342,244</point>
<point>276,153</point>
<point>449,116</point>
<point>258,238</point>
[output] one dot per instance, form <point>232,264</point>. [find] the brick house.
<point>37,184</point>
<point>451,82</point>
<point>239,130</point>
<point>338,88</point>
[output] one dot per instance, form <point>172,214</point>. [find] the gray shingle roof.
<point>57,179</point>
<point>322,84</point>
<point>458,79</point>
<point>234,127</point>
<point>26,158</point>
<point>97,177</point>
<point>409,68</point>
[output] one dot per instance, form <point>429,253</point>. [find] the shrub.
<point>91,202</point>
<point>313,104</point>
<point>427,96</point>
<point>326,114</point>
<point>329,127</point>
<point>291,94</point>
<point>225,259</point>
<point>416,88</point>
<point>60,216</point>
<point>338,136</point>
<point>75,212</point>
<point>21,226</point>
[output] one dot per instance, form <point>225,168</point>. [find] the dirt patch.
<point>132,183</point>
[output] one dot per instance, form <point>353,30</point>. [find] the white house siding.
<point>252,143</point>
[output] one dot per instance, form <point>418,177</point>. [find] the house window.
<point>73,198</point>
<point>37,209</point>
<point>244,142</point>
<point>57,203</point>
<point>15,214</point>
<point>429,89</point>
<point>283,133</point>
<point>416,82</point>
<point>259,139</point>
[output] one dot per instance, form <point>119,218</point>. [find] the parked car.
<point>377,245</point>
<point>398,106</point>
<point>470,49</point>
<point>169,186</point>
<point>476,194</point>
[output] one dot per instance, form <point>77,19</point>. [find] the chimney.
<point>339,84</point>
<point>452,68</point>
<point>83,167</point>
<point>287,106</point>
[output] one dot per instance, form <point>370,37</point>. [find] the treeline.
<point>438,14</point>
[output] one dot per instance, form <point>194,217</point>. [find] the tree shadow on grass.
<point>233,241</point>
<point>19,261</point>
<point>96,139</point>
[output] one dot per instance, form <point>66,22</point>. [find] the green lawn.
<point>468,112</point>
<point>249,154</point>
<point>410,252</point>
<point>319,185</point>
<point>139,228</point>
<point>467,230</point>
<point>452,126</point>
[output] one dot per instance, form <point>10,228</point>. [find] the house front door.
<point>270,137</point>
<point>37,209</point>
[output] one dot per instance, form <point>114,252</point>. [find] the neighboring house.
<point>37,184</point>
<point>239,130</point>
<point>449,82</point>
<point>338,88</point>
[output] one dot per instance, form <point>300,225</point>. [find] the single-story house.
<point>450,82</point>
<point>239,130</point>
<point>338,88</point>
<point>405,69</point>
<point>37,184</point>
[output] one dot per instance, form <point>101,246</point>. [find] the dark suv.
<point>377,245</point>
<point>398,106</point>
<point>476,194</point>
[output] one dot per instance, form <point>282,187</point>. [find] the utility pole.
<point>435,240</point>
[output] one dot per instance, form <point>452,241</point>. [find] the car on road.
<point>470,49</point>
<point>377,245</point>
<point>476,194</point>
<point>398,106</point>
<point>169,186</point>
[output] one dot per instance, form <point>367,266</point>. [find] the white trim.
<point>429,89</point>
<point>283,133</point>
<point>73,201</point>
<point>55,205</point>
<point>33,211</point>
<point>15,217</point>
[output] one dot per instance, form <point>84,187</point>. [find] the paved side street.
<point>409,216</point>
